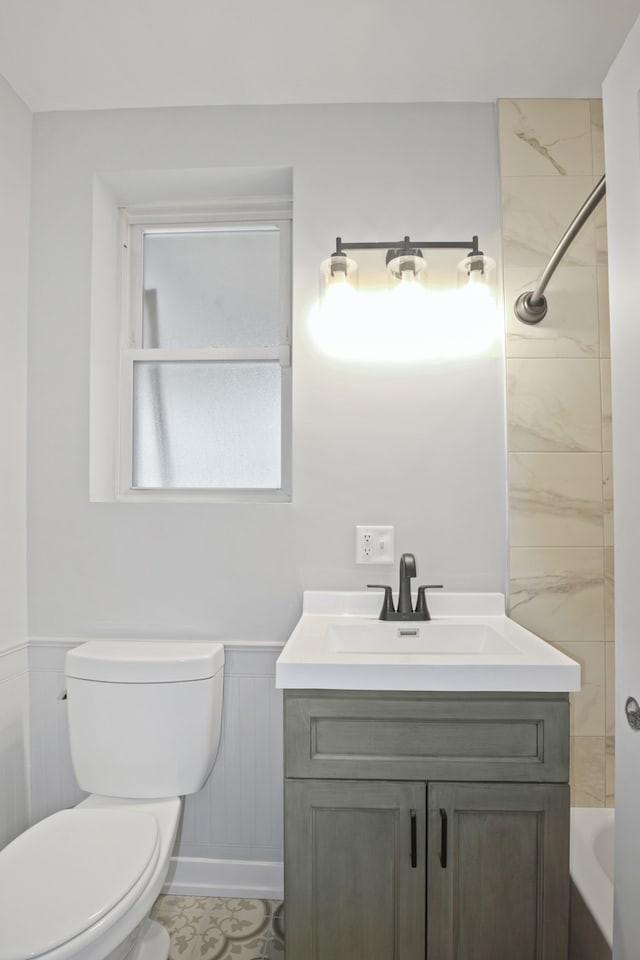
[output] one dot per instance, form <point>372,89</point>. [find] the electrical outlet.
<point>374,544</point>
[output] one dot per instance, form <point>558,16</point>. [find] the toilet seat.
<point>46,898</point>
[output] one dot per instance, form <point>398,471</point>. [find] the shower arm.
<point>531,306</point>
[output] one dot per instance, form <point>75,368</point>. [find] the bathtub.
<point>591,928</point>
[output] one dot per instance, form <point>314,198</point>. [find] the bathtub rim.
<point>591,881</point>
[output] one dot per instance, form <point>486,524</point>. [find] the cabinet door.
<point>497,871</point>
<point>355,870</point>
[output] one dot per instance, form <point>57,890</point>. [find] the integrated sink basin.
<point>441,637</point>
<point>469,644</point>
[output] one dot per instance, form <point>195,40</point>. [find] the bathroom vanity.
<point>419,815</point>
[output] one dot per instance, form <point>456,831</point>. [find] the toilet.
<point>144,729</point>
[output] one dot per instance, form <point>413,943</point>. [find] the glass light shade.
<point>337,271</point>
<point>476,268</point>
<point>475,316</point>
<point>408,268</point>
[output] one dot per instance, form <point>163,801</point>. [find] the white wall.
<point>15,158</point>
<point>622,126</point>
<point>15,162</point>
<point>420,447</point>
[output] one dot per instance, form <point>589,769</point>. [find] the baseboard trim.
<point>199,877</point>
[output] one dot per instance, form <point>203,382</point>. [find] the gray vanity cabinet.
<point>351,890</point>
<point>497,871</point>
<point>426,825</point>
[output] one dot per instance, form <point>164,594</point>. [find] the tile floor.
<point>217,928</point>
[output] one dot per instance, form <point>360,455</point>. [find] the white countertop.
<point>468,645</point>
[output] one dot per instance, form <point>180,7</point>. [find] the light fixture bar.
<point>406,242</point>
<point>405,259</point>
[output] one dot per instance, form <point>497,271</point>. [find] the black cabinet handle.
<point>414,839</point>
<point>443,838</point>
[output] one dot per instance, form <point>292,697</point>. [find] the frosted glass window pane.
<point>204,425</point>
<point>212,289</point>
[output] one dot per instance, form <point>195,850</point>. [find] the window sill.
<point>149,495</point>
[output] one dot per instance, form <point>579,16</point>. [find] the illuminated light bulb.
<point>475,269</point>
<point>407,267</point>
<point>337,271</point>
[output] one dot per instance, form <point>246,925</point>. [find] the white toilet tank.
<point>144,716</point>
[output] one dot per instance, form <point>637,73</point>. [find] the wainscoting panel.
<point>53,784</point>
<point>238,813</point>
<point>14,735</point>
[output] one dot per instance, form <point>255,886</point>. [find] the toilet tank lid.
<point>144,661</point>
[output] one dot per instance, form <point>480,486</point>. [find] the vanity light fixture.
<point>404,259</point>
<point>409,321</point>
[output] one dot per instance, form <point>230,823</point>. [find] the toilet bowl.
<point>80,884</point>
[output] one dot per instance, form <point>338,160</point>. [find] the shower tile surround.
<point>559,413</point>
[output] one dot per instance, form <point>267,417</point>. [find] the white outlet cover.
<point>374,544</point>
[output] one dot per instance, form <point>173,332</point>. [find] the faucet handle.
<point>387,603</point>
<point>421,602</point>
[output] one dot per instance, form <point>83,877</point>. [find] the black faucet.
<point>405,610</point>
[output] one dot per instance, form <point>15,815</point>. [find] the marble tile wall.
<point>559,413</point>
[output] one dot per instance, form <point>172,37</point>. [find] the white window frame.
<point>136,222</point>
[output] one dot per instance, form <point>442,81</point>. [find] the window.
<point>205,362</point>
